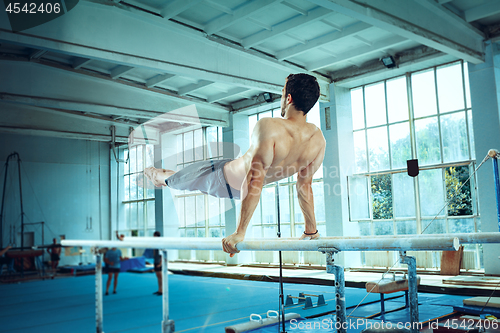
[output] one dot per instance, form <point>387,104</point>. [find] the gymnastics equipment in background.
<point>495,156</point>
<point>328,246</point>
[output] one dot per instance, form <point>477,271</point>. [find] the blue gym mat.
<point>196,304</point>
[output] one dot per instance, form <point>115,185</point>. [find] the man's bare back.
<point>296,146</point>
<point>279,149</point>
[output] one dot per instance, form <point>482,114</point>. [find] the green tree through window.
<point>382,197</point>
<point>460,201</point>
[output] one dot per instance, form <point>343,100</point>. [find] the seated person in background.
<point>279,149</point>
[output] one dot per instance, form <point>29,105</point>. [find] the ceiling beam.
<point>333,25</point>
<point>320,41</point>
<point>232,92</point>
<point>220,7</point>
<point>416,22</point>
<point>61,134</point>
<point>314,15</point>
<point>482,11</point>
<point>172,96</point>
<point>255,103</point>
<point>176,7</point>
<point>157,79</point>
<point>66,112</point>
<point>260,24</point>
<point>373,71</point>
<point>140,62</point>
<point>108,110</point>
<point>80,62</point>
<point>194,33</point>
<point>295,8</point>
<point>362,40</point>
<point>296,38</point>
<point>163,92</point>
<point>357,52</point>
<point>37,54</point>
<point>193,87</point>
<point>246,10</point>
<point>452,19</point>
<point>119,71</point>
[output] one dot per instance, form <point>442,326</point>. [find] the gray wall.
<point>60,186</point>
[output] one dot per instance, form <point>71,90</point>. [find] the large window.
<point>200,215</point>
<point>424,115</point>
<point>138,201</point>
<point>264,222</point>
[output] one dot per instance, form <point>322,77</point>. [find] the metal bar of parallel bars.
<point>497,187</point>
<point>167,325</point>
<point>412,289</point>
<point>340,307</point>
<point>98,292</point>
<point>328,246</point>
<point>446,243</point>
<point>463,238</point>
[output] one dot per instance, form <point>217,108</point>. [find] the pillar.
<point>484,80</point>
<point>336,125</point>
<point>236,143</point>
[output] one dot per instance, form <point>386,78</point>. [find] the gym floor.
<point>197,303</point>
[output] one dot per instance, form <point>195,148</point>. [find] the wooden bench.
<point>390,285</point>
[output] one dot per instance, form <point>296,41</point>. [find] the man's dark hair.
<point>157,234</point>
<point>304,90</point>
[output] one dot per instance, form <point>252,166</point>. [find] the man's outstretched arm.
<point>305,196</point>
<point>2,252</point>
<point>306,202</point>
<point>261,161</point>
<point>248,205</point>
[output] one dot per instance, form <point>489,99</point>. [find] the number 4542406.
<point>33,8</point>
<point>471,324</point>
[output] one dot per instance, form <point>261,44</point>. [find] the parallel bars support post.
<point>167,325</point>
<point>497,187</point>
<point>98,291</point>
<point>340,311</point>
<point>412,289</point>
<point>281,297</point>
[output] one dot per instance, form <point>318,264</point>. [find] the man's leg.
<point>108,283</point>
<point>160,284</point>
<point>158,176</point>
<point>305,236</point>
<point>116,283</point>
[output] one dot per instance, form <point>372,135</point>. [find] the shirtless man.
<point>279,149</point>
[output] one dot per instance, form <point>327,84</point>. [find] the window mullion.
<point>466,111</point>
<point>387,126</point>
<point>438,117</point>
<point>413,142</point>
<point>366,134</point>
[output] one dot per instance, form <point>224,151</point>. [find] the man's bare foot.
<point>310,236</point>
<point>157,176</point>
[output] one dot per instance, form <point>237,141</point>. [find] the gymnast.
<point>279,149</point>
